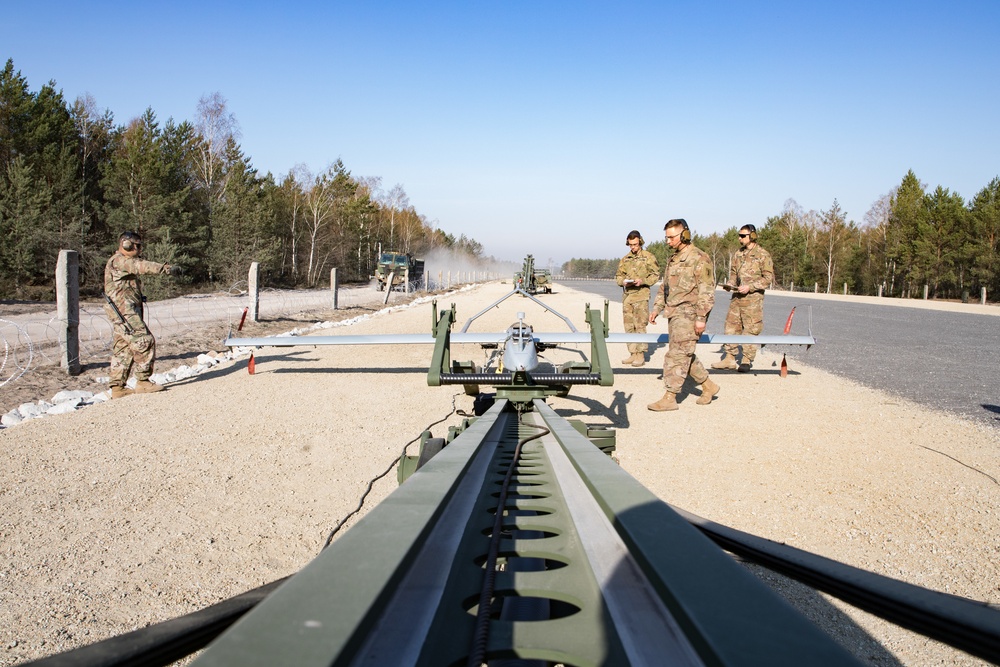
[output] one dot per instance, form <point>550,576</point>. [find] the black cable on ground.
<point>371,483</point>
<point>991,477</point>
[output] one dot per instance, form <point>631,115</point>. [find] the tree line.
<point>911,237</point>
<point>71,178</point>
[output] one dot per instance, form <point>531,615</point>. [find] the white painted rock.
<point>11,418</point>
<point>64,407</point>
<point>29,410</point>
<point>205,360</point>
<point>70,395</point>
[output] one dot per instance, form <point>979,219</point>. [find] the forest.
<point>911,238</point>
<point>73,178</point>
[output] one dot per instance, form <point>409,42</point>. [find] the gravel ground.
<point>141,509</point>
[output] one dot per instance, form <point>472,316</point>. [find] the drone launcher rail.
<point>578,564</point>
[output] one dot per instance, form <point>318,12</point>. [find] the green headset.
<point>685,230</point>
<point>130,241</point>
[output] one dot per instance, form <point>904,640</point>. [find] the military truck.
<point>401,266</point>
<point>533,280</point>
<point>543,280</point>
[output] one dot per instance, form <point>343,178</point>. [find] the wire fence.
<point>30,333</point>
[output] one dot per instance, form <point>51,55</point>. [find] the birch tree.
<point>217,129</point>
<point>834,236</point>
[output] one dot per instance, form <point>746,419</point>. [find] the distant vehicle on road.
<point>396,269</point>
<point>533,280</point>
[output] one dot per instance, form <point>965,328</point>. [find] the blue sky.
<point>556,127</point>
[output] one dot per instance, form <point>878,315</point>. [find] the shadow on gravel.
<point>829,618</point>
<point>239,366</point>
<point>615,412</point>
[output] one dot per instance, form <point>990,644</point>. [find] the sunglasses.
<point>743,236</point>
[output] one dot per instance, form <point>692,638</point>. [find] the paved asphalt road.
<point>936,358</point>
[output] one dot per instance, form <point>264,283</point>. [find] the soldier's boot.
<point>666,404</point>
<point>147,387</point>
<point>120,392</point>
<point>631,358</point>
<point>638,359</point>
<point>745,365</point>
<point>727,363</point>
<point>708,390</point>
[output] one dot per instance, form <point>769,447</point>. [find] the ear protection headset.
<point>130,241</point>
<point>753,232</point>
<point>685,230</point>
<point>634,234</point>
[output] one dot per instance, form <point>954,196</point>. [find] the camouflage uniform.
<point>635,302</point>
<point>129,350</point>
<point>689,284</point>
<point>752,267</point>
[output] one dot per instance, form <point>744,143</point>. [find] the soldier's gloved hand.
<point>175,270</point>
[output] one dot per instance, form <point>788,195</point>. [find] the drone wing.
<point>493,338</point>
<point>373,339</point>
<point>717,339</point>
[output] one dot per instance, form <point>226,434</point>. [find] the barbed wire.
<point>11,330</point>
<point>32,340</point>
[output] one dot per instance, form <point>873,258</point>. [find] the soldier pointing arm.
<point>133,346</point>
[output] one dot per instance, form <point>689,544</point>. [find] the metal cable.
<point>371,483</point>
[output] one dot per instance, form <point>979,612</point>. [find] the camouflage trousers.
<point>635,310</point>
<point>131,351</point>
<point>745,316</point>
<point>681,360</point>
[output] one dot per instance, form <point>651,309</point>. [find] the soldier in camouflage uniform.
<point>133,346</point>
<point>686,296</point>
<point>751,272</point>
<point>637,272</point>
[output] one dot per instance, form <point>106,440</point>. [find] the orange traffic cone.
<point>252,364</point>
<point>788,322</point>
<point>784,367</point>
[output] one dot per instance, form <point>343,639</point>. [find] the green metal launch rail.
<point>518,540</point>
<point>587,566</point>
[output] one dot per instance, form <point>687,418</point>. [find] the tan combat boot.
<point>120,392</point>
<point>666,404</point>
<point>147,387</point>
<point>708,390</point>
<point>727,363</point>
<point>638,359</point>
<point>630,359</point>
